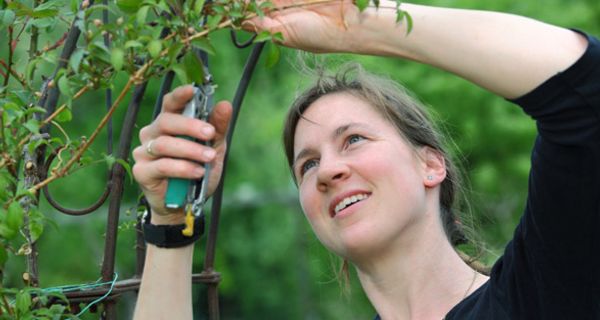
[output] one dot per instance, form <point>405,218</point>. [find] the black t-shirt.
<point>551,268</point>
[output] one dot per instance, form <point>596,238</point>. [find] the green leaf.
<point>3,256</point>
<point>23,302</point>
<point>64,116</point>
<point>36,224</point>
<point>213,21</point>
<point>409,22</point>
<point>129,6</point>
<point>179,70</point>
<point>117,57</point>
<point>30,67</point>
<point>141,15</point>
<point>127,168</point>
<point>75,60</point>
<point>110,161</point>
<point>263,36</point>
<point>174,51</point>
<point>193,68</point>
<point>6,232</point>
<point>362,4</point>
<point>99,51</point>
<point>273,55</point>
<point>74,6</point>
<point>205,45</point>
<point>65,86</point>
<point>198,5</point>
<point>154,48</point>
<point>7,17</point>
<point>36,228</point>
<point>32,125</point>
<point>14,216</point>
<point>20,9</point>
<point>133,44</point>
<point>278,36</point>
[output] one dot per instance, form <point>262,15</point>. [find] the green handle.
<point>177,189</point>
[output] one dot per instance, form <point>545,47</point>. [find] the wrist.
<point>171,217</point>
<point>165,234</point>
<point>376,32</point>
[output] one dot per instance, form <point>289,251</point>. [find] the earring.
<point>429,177</point>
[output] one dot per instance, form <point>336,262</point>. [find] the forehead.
<point>333,110</point>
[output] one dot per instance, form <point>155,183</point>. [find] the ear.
<point>434,167</point>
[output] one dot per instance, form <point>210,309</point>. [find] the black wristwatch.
<point>170,236</point>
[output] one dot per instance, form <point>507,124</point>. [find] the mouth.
<point>347,202</point>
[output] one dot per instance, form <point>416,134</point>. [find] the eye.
<point>307,165</point>
<point>354,138</point>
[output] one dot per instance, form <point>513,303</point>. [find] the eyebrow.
<point>336,134</point>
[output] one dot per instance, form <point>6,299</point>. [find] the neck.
<point>422,278</point>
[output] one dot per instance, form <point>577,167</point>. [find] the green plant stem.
<point>10,55</point>
<point>33,42</point>
<point>4,146</point>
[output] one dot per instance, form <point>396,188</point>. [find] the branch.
<point>138,76</point>
<point>15,74</point>
<point>54,115</point>
<point>57,44</point>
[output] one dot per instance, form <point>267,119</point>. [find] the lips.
<point>342,202</point>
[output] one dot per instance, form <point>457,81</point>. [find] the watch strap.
<point>170,236</point>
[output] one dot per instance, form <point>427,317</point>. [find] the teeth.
<point>348,201</point>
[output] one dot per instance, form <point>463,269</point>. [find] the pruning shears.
<point>191,194</point>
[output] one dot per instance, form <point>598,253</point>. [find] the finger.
<point>220,118</point>
<point>175,147</point>
<point>174,124</point>
<point>151,172</point>
<point>176,100</point>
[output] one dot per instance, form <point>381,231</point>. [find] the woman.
<point>376,192</point>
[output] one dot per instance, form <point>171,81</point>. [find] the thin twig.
<point>57,44</point>
<point>15,74</point>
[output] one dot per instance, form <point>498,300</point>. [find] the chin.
<point>355,244</point>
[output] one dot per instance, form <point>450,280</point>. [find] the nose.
<point>330,172</point>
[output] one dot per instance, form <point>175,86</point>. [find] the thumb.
<point>220,118</point>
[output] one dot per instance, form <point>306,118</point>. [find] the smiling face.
<point>362,186</point>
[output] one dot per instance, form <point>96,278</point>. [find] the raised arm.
<point>506,54</point>
<point>165,292</point>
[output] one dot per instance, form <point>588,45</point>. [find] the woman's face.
<point>361,185</point>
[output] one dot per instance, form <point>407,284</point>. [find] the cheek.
<point>308,202</point>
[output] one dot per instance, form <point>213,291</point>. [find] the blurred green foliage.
<point>272,266</point>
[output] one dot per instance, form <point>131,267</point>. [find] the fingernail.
<point>210,153</point>
<point>207,131</point>
<point>199,171</point>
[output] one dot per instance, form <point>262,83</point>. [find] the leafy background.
<point>272,266</point>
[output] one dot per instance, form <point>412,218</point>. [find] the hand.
<point>317,26</point>
<point>163,155</point>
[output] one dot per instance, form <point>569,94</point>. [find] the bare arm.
<point>166,289</point>
<point>506,54</point>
